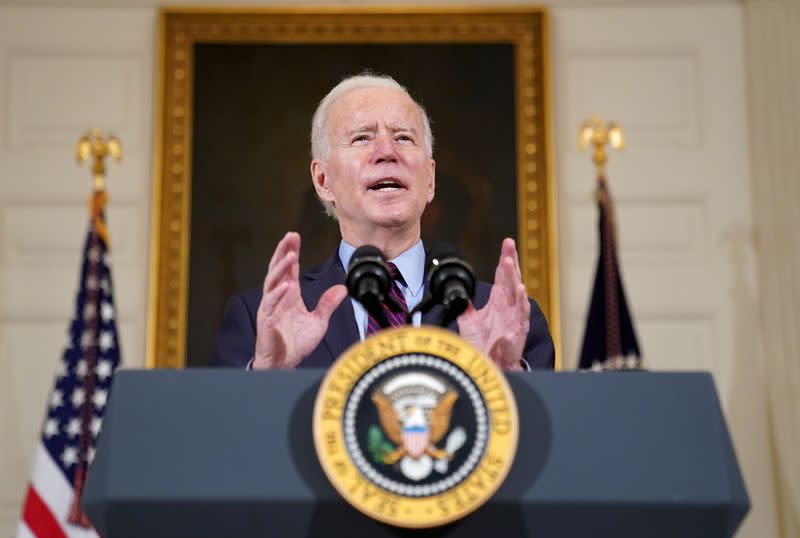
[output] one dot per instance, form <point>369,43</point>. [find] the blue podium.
<point>221,453</point>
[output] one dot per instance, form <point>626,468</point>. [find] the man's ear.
<point>319,175</point>
<point>432,181</point>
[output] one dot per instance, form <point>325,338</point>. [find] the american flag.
<point>76,404</point>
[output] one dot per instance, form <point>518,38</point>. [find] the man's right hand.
<point>286,332</point>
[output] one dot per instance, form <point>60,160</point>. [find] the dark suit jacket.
<point>236,338</point>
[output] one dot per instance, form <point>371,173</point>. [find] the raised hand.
<point>286,332</point>
<point>500,328</point>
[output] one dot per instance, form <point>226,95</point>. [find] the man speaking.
<point>373,169</point>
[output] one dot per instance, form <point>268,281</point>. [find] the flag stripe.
<point>51,484</point>
<point>39,518</point>
<point>56,493</point>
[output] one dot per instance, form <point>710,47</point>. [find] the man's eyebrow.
<point>397,128</point>
<point>367,127</point>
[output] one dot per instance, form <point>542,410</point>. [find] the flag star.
<point>56,399</point>
<point>107,258</point>
<point>104,369</point>
<point>82,368</point>
<point>91,283</point>
<point>50,428</point>
<point>597,366</point>
<point>94,254</point>
<point>90,454</point>
<point>106,340</point>
<point>96,422</point>
<point>87,339</point>
<point>106,311</point>
<point>73,429</point>
<point>105,285</point>
<point>632,361</point>
<point>89,311</point>
<point>99,398</point>
<point>78,397</point>
<point>69,456</point>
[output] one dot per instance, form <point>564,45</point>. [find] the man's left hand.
<point>500,328</point>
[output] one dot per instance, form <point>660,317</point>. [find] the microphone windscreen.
<point>366,251</point>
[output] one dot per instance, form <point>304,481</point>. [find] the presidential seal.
<point>415,427</point>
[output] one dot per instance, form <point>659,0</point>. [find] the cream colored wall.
<point>773,45</point>
<point>672,75</point>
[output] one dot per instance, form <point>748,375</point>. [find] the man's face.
<point>377,171</point>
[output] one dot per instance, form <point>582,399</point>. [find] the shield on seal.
<point>415,440</point>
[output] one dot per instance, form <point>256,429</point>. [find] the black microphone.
<point>451,282</point>
<point>369,280</point>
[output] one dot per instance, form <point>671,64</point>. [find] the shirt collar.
<point>410,263</point>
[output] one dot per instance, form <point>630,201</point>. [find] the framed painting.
<point>237,89</point>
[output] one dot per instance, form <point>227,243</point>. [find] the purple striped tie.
<point>396,317</point>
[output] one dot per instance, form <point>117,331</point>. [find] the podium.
<point>222,453</point>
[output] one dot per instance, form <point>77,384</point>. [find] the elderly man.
<point>373,170</point>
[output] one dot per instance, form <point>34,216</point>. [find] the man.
<point>373,169</point>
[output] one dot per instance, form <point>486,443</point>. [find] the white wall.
<point>673,76</point>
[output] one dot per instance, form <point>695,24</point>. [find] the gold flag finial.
<point>594,132</point>
<point>94,144</point>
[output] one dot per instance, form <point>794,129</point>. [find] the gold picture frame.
<point>526,29</point>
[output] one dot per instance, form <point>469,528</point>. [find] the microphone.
<point>368,281</point>
<point>451,283</point>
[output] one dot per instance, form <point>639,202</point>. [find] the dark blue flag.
<point>609,342</point>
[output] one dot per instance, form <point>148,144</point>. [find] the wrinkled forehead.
<point>363,107</point>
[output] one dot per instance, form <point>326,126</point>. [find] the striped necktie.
<point>396,317</point>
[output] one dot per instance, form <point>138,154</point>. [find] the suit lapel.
<point>342,329</point>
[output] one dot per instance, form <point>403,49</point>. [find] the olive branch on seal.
<point>377,444</point>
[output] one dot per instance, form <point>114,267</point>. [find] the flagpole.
<point>97,147</point>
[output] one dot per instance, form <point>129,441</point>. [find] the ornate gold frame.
<point>526,28</point>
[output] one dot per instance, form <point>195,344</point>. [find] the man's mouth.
<point>386,185</point>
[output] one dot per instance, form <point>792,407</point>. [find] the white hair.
<point>320,135</point>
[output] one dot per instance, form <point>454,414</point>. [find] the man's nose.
<point>385,150</point>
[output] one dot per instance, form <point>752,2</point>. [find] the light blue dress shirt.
<point>411,265</point>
